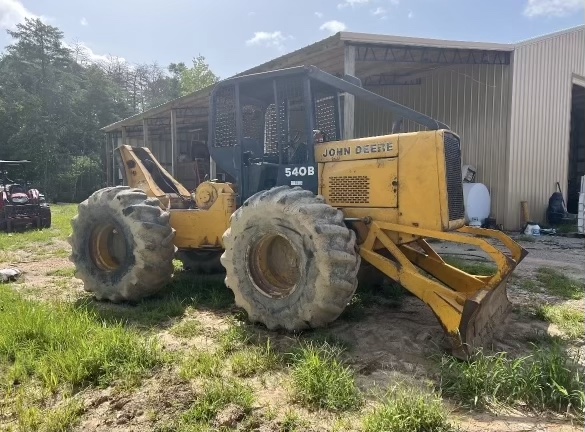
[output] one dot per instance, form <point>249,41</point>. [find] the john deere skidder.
<point>305,210</point>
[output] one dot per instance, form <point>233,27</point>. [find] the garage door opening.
<point>577,148</point>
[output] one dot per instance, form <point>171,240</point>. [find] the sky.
<point>235,35</point>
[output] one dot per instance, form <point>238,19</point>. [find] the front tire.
<point>290,260</point>
<point>122,245</point>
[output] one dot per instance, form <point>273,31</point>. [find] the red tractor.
<point>21,206</point>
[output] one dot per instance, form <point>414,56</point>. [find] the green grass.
<point>187,329</point>
<point>69,273</point>
<point>293,422</point>
<point>410,410</point>
<point>236,337</point>
<point>321,336</point>
<point>478,268</point>
<point>320,380</point>
<point>31,239</point>
<point>59,419</point>
<point>529,285</point>
<point>567,228</point>
<point>184,292</point>
<point>59,345</point>
<point>547,379</point>
<point>254,360</point>
<point>569,320</point>
<point>202,364</point>
<point>217,396</point>
<point>559,284</point>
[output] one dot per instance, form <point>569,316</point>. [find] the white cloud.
<point>84,54</point>
<point>352,3</point>
<point>333,26</point>
<point>410,14</point>
<point>269,39</point>
<point>13,12</point>
<point>251,13</point>
<point>395,2</point>
<point>552,7</point>
<point>379,11</point>
<point>318,14</point>
<point>83,21</point>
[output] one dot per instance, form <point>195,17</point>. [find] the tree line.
<point>54,99</point>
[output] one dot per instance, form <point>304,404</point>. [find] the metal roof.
<point>367,38</point>
<point>373,51</point>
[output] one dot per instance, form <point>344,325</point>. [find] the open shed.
<point>483,91</point>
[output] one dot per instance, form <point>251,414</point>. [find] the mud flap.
<point>482,315</point>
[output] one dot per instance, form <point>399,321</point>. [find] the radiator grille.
<point>454,179</point>
<point>349,189</point>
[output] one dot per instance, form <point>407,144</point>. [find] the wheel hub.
<point>273,264</point>
<point>107,247</point>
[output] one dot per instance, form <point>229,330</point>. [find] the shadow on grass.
<point>388,294</point>
<point>185,291</point>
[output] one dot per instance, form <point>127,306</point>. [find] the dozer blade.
<point>481,316</point>
<point>469,307</point>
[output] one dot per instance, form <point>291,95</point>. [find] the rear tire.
<point>122,245</point>
<point>290,260</point>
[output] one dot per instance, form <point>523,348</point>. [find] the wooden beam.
<point>348,99</point>
<point>174,147</point>
<point>145,142</point>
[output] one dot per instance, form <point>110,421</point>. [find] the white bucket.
<point>532,230</point>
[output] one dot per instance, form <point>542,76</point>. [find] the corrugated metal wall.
<point>540,120</point>
<point>474,101</point>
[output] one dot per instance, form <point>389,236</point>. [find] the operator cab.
<point>264,128</point>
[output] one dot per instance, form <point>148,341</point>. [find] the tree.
<point>52,109</point>
<point>197,77</point>
<point>54,99</point>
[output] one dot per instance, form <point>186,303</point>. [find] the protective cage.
<point>273,113</point>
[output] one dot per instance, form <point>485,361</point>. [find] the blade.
<point>482,315</point>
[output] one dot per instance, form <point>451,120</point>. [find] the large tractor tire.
<point>201,261</point>
<point>290,260</point>
<point>122,245</point>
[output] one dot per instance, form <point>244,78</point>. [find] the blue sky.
<point>235,35</point>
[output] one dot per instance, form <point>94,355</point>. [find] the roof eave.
<point>175,103</point>
<point>367,38</point>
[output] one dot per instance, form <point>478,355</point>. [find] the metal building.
<point>518,108</point>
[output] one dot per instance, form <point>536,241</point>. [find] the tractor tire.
<point>290,260</point>
<point>200,261</point>
<point>45,213</point>
<point>122,245</point>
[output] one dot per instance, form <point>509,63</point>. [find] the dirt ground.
<point>387,345</point>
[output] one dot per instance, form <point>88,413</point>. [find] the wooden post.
<point>174,148</point>
<point>349,99</point>
<point>124,135</point>
<point>525,212</point>
<point>145,133</point>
